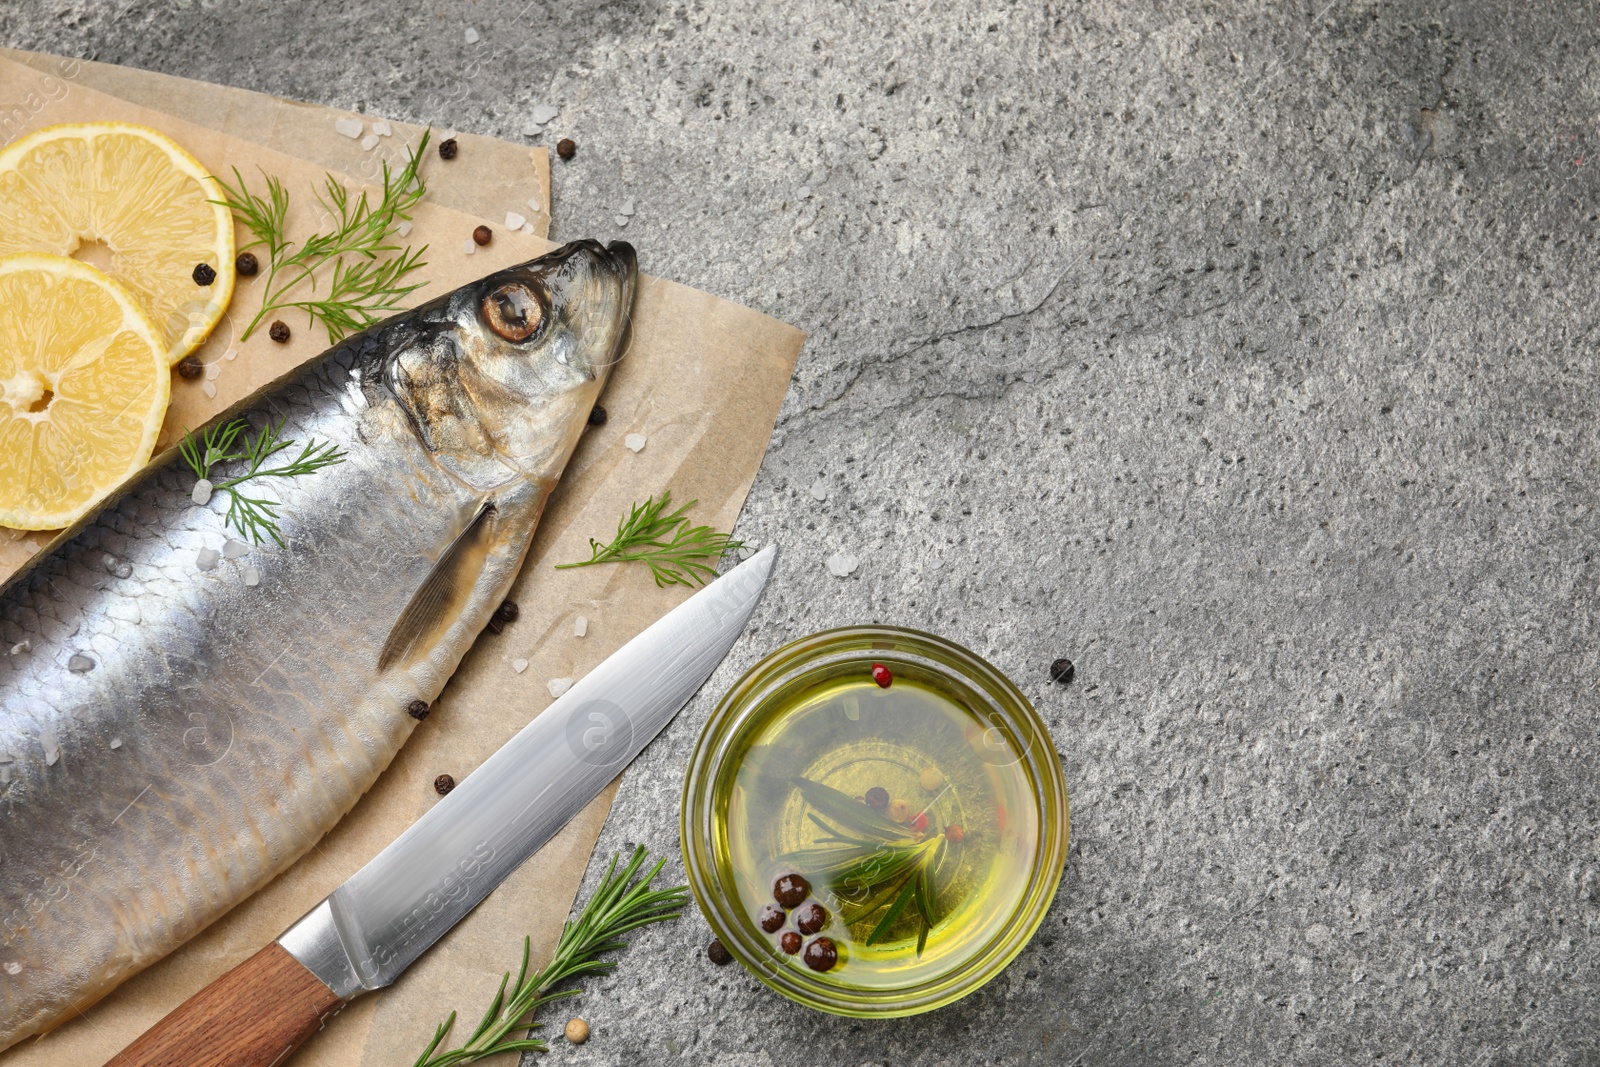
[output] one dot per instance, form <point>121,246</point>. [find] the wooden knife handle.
<point>253,1016</point>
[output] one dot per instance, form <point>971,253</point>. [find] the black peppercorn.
<point>566,148</point>
<point>417,709</point>
<point>770,918</point>
<point>718,954</point>
<point>791,890</point>
<point>448,148</point>
<point>810,918</point>
<point>204,274</point>
<point>190,367</point>
<point>443,784</point>
<point>246,264</point>
<point>789,942</point>
<point>821,955</point>
<point>482,236</point>
<point>597,416</point>
<point>1061,671</point>
<point>877,798</point>
<point>278,331</point>
<point>503,616</point>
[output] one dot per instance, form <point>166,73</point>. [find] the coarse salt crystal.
<point>515,221</point>
<point>626,208</point>
<point>519,665</point>
<point>620,220</point>
<point>116,742</point>
<point>78,663</point>
<point>351,128</point>
<point>206,559</point>
<point>369,142</point>
<point>535,205</point>
<point>544,113</point>
<point>404,229</point>
<point>819,489</point>
<point>212,371</point>
<point>21,646</point>
<point>5,779</point>
<point>252,576</point>
<point>209,388</point>
<point>231,354</point>
<point>527,228</point>
<point>13,968</point>
<point>580,626</point>
<point>51,745</point>
<point>841,564</point>
<point>635,442</point>
<point>469,247</point>
<point>382,128</point>
<point>557,686</point>
<point>532,129</point>
<point>201,494</point>
<point>804,193</point>
<point>234,549</point>
<point>471,35</point>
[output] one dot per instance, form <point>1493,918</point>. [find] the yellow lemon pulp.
<point>128,200</point>
<point>84,384</point>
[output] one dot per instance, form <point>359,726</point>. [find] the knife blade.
<point>366,932</point>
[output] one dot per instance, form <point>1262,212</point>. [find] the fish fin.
<point>435,602</point>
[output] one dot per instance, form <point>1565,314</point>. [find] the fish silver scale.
<point>250,719</point>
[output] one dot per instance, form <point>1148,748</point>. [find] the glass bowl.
<point>943,780</point>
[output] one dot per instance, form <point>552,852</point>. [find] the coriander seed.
<point>930,779</point>
<point>899,810</point>
<point>577,1031</point>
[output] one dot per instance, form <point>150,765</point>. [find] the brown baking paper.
<point>487,178</point>
<point>703,381</point>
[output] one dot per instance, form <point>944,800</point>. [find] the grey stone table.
<point>1247,358</point>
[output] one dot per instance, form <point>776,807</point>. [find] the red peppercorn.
<point>791,890</point>
<point>821,955</point>
<point>920,823</point>
<point>770,918</point>
<point>954,833</point>
<point>789,942</point>
<point>809,918</point>
<point>881,675</point>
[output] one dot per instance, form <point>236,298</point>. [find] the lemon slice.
<point>84,384</point>
<point>128,200</point>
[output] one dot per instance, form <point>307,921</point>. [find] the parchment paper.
<point>703,381</point>
<point>487,178</point>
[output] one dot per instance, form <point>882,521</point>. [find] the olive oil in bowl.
<point>903,785</point>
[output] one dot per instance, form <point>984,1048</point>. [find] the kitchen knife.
<point>388,913</point>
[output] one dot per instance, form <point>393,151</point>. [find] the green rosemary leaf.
<point>850,812</point>
<point>676,552</point>
<point>899,905</point>
<point>624,901</point>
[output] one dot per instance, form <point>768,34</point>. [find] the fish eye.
<point>514,311</point>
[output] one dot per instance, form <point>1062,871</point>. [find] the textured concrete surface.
<point>1248,358</point>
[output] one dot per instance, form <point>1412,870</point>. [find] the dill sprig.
<point>619,905</point>
<point>364,288</point>
<point>676,551</point>
<point>227,443</point>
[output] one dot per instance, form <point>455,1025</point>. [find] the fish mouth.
<point>622,259</point>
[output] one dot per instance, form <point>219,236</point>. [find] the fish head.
<point>499,378</point>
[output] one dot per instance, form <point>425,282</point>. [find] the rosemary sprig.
<point>619,905</point>
<point>253,516</point>
<point>360,292</point>
<point>871,863</point>
<point>676,551</point>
